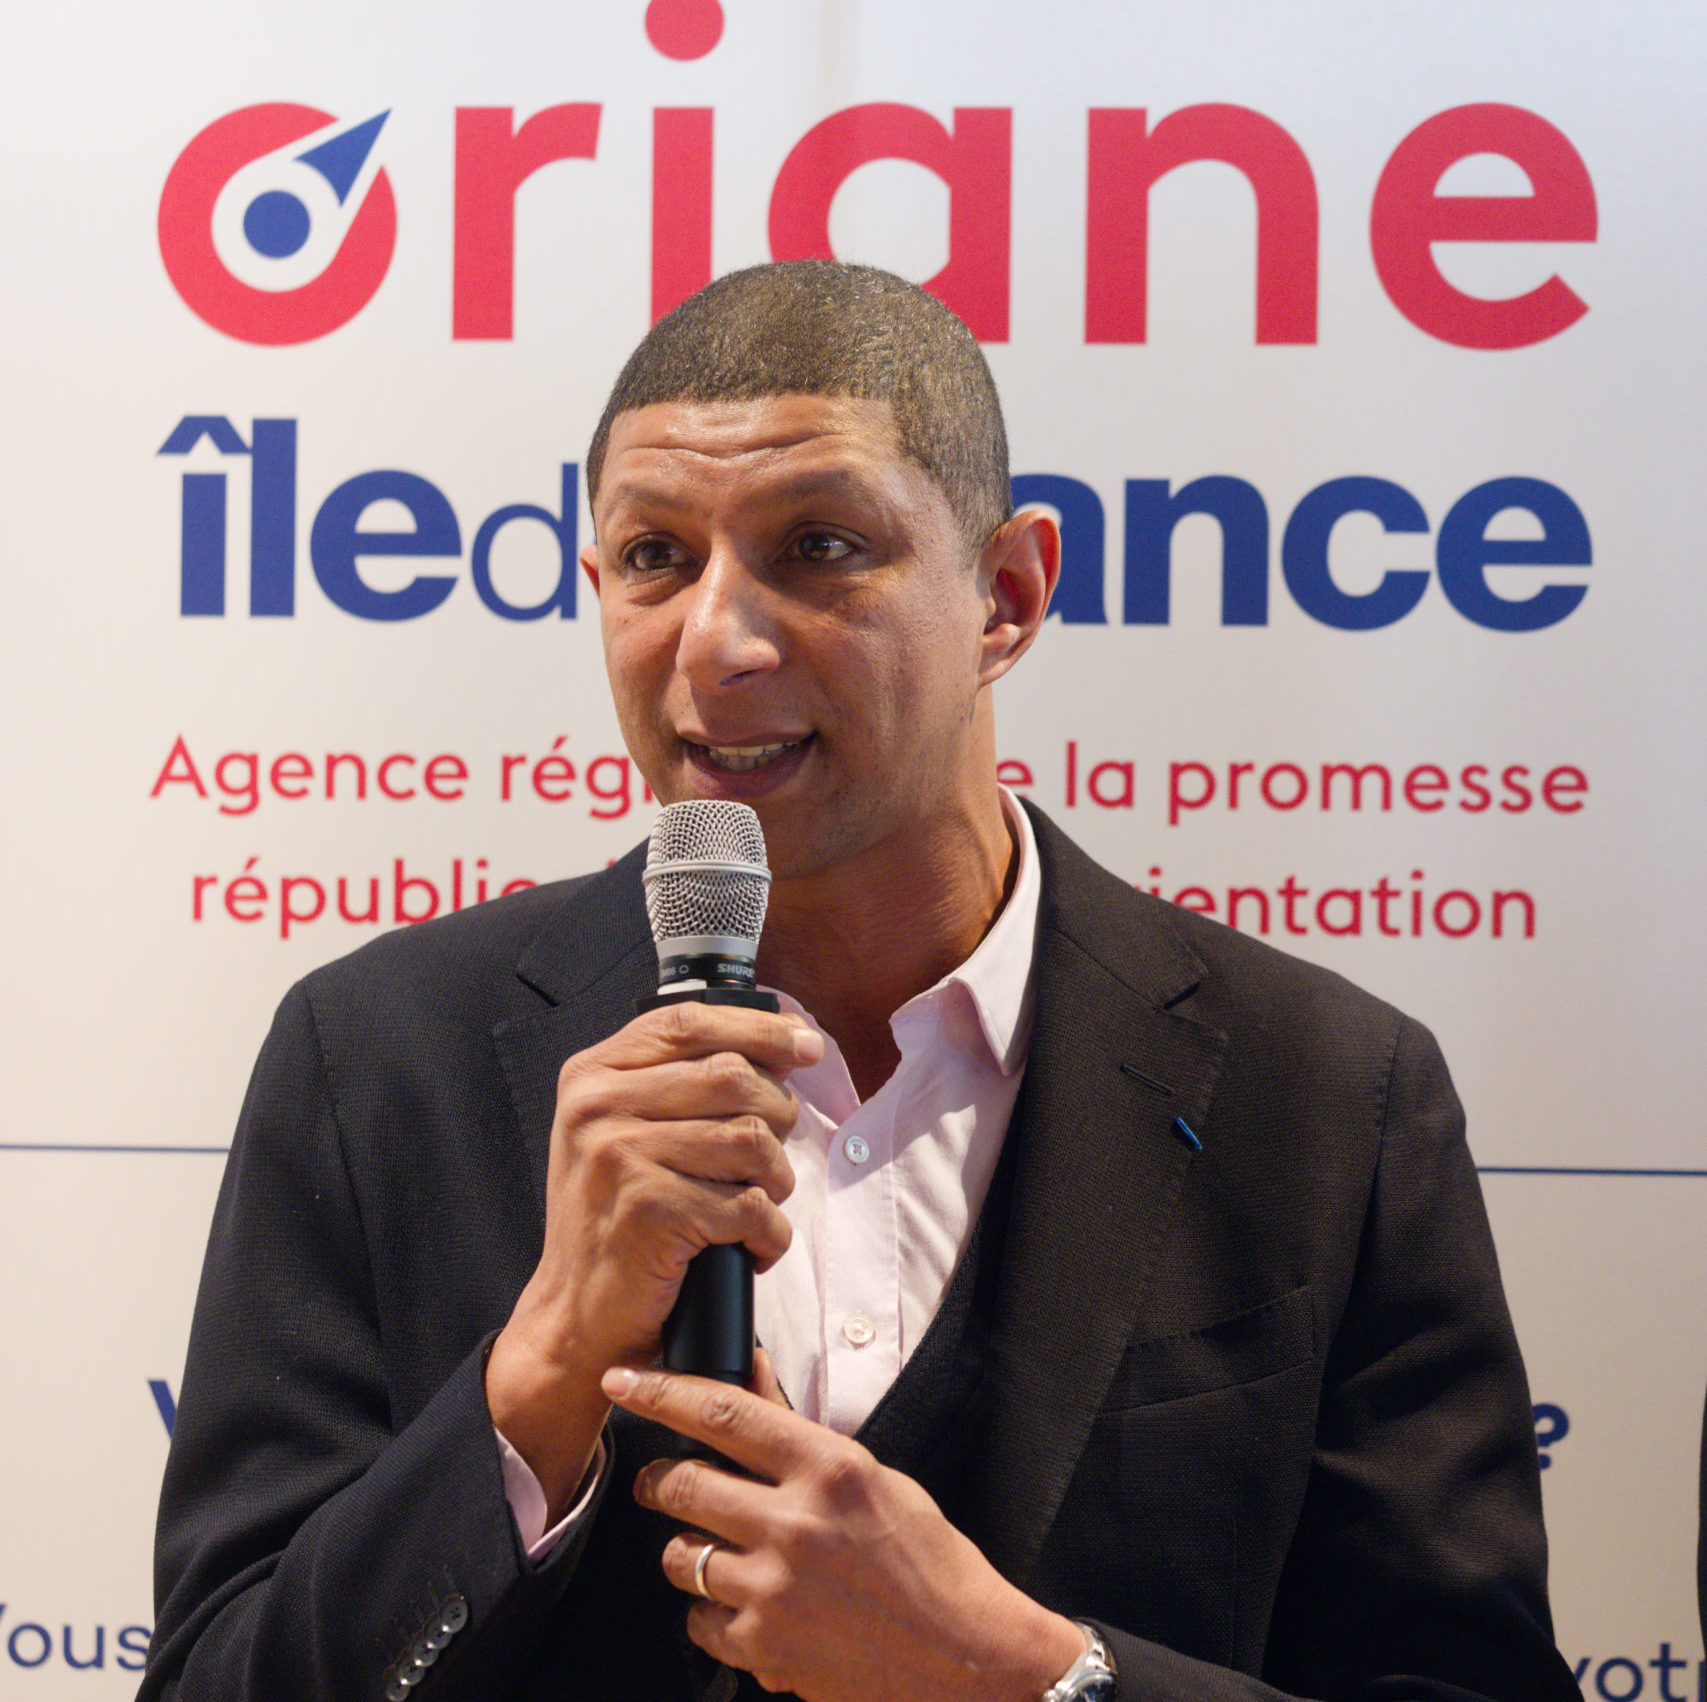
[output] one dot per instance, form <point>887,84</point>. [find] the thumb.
<point>764,1383</point>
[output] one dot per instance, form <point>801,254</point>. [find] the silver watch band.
<point>1091,1678</point>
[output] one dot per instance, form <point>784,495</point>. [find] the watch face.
<point>1091,1678</point>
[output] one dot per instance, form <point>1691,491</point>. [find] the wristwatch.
<point>1091,1678</point>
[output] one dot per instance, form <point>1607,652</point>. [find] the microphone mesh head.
<point>706,873</point>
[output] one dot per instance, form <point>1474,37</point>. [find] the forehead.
<point>773,445</point>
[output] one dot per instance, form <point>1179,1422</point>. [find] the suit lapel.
<point>1100,1163</point>
<point>591,961</point>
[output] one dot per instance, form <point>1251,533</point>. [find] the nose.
<point>729,632</point>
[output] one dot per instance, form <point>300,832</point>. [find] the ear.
<point>1017,571</point>
<point>590,565</point>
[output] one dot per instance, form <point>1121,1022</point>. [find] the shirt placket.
<point>862,1281</point>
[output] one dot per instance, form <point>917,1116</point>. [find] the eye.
<point>821,547</point>
<point>653,555</point>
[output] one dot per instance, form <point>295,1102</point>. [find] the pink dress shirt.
<point>886,1189</point>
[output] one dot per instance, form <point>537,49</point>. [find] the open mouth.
<point>747,772</point>
<point>743,759</point>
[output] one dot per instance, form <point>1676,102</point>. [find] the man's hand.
<point>668,1138</point>
<point>833,1576</point>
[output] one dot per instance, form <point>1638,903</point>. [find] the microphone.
<point>706,884</point>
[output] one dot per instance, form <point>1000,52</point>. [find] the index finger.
<point>761,1436</point>
<point>771,1040</point>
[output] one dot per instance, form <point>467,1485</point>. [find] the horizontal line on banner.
<point>67,1146</point>
<point>1576,1170</point>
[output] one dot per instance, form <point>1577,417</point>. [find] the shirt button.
<point>859,1329</point>
<point>856,1149</point>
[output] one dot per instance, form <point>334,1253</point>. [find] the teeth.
<point>740,758</point>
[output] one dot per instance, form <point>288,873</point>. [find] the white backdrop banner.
<point>1359,349</point>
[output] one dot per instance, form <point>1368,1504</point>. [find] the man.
<point>1148,1265</point>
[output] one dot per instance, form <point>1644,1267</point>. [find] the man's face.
<point>791,618</point>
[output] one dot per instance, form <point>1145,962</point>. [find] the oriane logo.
<point>261,240</point>
<point>274,243</point>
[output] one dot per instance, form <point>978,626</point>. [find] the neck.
<point>856,942</point>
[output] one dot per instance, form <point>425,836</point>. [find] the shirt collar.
<point>998,975</point>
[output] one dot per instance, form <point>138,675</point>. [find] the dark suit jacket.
<point>1257,1408</point>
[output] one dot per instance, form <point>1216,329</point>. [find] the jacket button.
<point>453,1615</point>
<point>396,1690</point>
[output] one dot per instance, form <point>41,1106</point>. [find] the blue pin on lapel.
<point>1180,1124</point>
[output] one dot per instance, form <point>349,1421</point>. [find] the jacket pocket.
<point>1185,1500</point>
<point>1273,1337</point>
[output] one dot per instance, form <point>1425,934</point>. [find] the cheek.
<point>930,655</point>
<point>638,654</point>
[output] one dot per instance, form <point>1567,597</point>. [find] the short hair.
<point>830,328</point>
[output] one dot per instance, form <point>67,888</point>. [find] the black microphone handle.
<point>709,1331</point>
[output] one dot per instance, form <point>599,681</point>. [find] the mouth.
<point>748,769</point>
<point>743,759</point>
